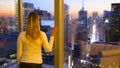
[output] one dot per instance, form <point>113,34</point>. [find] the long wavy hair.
<point>33,27</point>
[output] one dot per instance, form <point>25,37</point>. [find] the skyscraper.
<point>82,25</point>
<point>107,21</point>
<point>115,25</point>
<point>28,7</point>
<point>66,24</point>
<point>83,16</point>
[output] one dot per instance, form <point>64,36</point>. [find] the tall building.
<point>66,24</point>
<point>107,21</point>
<point>115,25</point>
<point>82,24</point>
<point>28,7</point>
<point>83,18</point>
<point>44,14</point>
<point>107,15</point>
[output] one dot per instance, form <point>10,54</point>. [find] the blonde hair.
<point>33,27</point>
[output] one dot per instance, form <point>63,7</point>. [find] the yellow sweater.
<point>30,52</point>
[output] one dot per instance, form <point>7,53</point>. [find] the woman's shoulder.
<point>42,33</point>
<point>22,33</point>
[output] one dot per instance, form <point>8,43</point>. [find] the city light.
<point>98,22</point>
<point>93,34</point>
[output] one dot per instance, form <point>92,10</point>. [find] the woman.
<point>30,42</point>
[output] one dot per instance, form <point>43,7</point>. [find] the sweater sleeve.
<point>19,48</point>
<point>47,45</point>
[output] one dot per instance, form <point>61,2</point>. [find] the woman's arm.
<point>47,45</point>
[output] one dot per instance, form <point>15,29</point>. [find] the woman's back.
<point>30,43</point>
<point>31,49</point>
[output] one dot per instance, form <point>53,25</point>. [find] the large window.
<point>8,32</point>
<point>9,27</point>
<point>91,28</point>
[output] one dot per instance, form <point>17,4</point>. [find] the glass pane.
<point>45,10</point>
<point>8,32</point>
<point>92,33</point>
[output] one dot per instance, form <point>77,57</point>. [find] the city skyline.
<point>90,6</point>
<point>74,6</point>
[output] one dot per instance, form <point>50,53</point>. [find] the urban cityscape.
<point>85,36</point>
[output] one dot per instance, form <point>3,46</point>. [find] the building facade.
<point>115,25</point>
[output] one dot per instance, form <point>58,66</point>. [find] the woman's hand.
<point>54,30</point>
